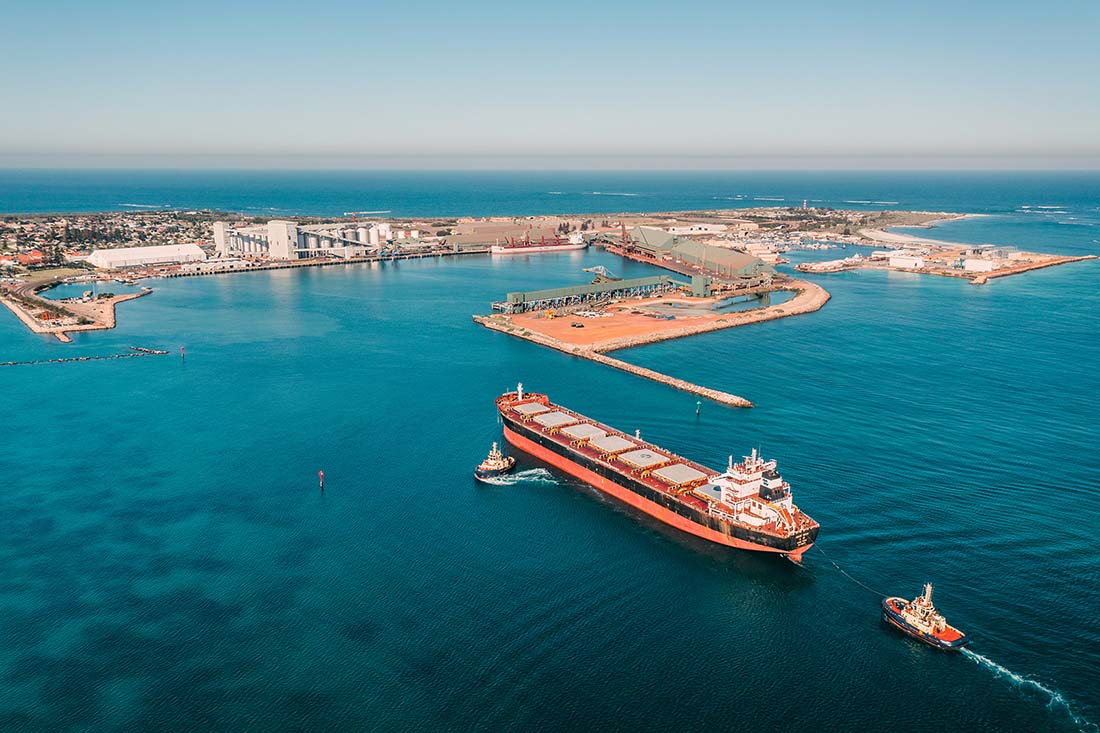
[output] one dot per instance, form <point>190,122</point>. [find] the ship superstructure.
<point>749,506</point>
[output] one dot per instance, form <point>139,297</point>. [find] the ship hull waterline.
<point>536,249</point>
<point>632,499</point>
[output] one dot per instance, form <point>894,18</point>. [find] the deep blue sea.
<point>167,561</point>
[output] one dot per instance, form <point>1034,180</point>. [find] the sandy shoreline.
<point>888,237</point>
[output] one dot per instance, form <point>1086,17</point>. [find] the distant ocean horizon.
<point>504,193</point>
<point>1056,212</point>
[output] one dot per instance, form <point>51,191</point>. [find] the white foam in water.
<point>1056,698</point>
<point>530,476</point>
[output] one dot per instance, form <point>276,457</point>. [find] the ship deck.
<point>632,457</point>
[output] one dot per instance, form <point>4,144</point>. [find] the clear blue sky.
<point>553,84</point>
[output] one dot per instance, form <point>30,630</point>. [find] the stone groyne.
<point>134,353</point>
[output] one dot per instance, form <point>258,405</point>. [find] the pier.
<point>295,264</point>
<point>628,327</point>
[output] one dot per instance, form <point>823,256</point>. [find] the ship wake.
<point>1056,701</point>
<point>530,476</point>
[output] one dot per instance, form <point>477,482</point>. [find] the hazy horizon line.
<point>1082,161</point>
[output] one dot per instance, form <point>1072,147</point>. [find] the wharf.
<point>327,262</point>
<point>627,328</point>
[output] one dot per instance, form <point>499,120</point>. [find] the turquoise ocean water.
<point>167,561</point>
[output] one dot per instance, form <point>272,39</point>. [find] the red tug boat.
<point>920,619</point>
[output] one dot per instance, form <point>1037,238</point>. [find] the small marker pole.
<point>698,406</point>
<point>321,479</point>
<point>182,354</point>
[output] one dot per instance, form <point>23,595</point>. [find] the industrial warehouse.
<point>649,244</point>
<point>163,254</point>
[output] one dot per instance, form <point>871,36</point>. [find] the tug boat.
<point>495,464</point>
<point>920,619</point>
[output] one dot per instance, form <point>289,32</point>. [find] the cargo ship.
<point>526,246</point>
<point>920,619</point>
<point>748,506</point>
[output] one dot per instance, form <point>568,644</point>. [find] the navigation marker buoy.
<point>698,406</point>
<point>181,353</point>
<point>321,479</point>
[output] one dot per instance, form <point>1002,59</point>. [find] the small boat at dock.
<point>920,619</point>
<point>495,464</point>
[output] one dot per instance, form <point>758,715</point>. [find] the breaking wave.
<point>146,206</point>
<point>530,476</point>
<point>1056,700</point>
<point>612,193</point>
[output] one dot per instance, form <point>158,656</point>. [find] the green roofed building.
<point>729,263</point>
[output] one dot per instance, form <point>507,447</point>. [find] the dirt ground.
<point>623,326</point>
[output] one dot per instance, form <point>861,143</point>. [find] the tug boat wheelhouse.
<point>920,619</point>
<point>495,464</point>
<point>749,506</point>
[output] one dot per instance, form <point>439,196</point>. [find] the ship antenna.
<point>519,391</point>
<point>638,434</point>
<point>731,464</point>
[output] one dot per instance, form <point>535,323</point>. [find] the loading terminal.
<point>597,293</point>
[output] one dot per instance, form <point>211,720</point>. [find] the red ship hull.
<point>642,504</point>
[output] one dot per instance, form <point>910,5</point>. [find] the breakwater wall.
<point>134,353</point>
<point>987,276</point>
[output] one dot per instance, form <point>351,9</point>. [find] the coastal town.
<point>726,252</point>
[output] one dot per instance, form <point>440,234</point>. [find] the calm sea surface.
<point>168,563</point>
